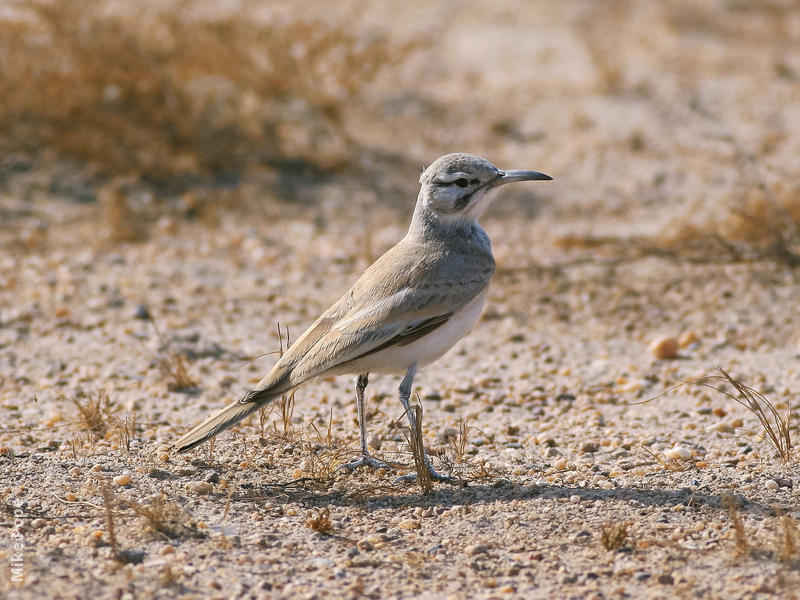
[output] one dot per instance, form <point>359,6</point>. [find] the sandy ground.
<point>662,138</point>
<point>555,451</point>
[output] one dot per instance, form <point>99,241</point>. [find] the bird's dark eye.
<point>461,182</point>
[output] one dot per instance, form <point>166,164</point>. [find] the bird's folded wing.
<point>344,333</point>
<point>400,318</point>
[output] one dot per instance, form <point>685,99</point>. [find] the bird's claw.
<point>434,474</point>
<point>366,461</point>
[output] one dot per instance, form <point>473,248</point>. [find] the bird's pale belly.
<point>426,349</point>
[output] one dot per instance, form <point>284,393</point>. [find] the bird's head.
<point>459,187</point>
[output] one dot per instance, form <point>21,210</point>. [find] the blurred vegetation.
<point>677,113</point>
<point>165,89</point>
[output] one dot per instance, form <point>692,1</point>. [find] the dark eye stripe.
<point>461,182</point>
<point>462,202</point>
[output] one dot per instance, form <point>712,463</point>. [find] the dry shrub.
<point>321,522</point>
<point>166,518</point>
<point>171,88</point>
<point>613,535</point>
<point>95,412</point>
<point>175,372</point>
<point>759,219</point>
<point>761,222</point>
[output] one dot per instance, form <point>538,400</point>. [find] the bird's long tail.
<point>222,419</point>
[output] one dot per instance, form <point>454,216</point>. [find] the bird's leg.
<point>366,459</point>
<point>361,387</point>
<point>405,394</point>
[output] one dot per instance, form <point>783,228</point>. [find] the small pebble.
<point>38,523</point>
<point>678,453</point>
<point>122,479</point>
<point>507,589</point>
<point>98,468</point>
<point>477,549</point>
<point>159,474</point>
<point>664,347</point>
<point>574,499</point>
<point>365,545</point>
<point>200,487</point>
<point>772,485</point>
<point>721,427</point>
<point>687,339</point>
<point>408,524</point>
<point>141,312</point>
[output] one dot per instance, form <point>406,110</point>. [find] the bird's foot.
<point>367,461</point>
<point>434,474</point>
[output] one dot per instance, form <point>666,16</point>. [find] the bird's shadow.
<point>379,497</point>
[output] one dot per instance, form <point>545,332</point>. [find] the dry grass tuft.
<point>614,535</point>
<point>175,372</point>
<point>321,522</point>
<point>166,518</point>
<point>789,545</point>
<point>108,503</point>
<point>173,88</point>
<point>95,413</point>
<point>122,556</point>
<point>168,576</point>
<point>416,443</point>
<point>729,502</point>
<point>121,222</point>
<point>172,365</point>
<point>126,431</point>
<point>323,463</point>
<point>286,405</point>
<point>776,426</point>
<point>210,446</point>
<point>459,442</point>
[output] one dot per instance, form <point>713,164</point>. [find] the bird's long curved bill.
<point>504,177</point>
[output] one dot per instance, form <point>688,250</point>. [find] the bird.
<point>405,311</point>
